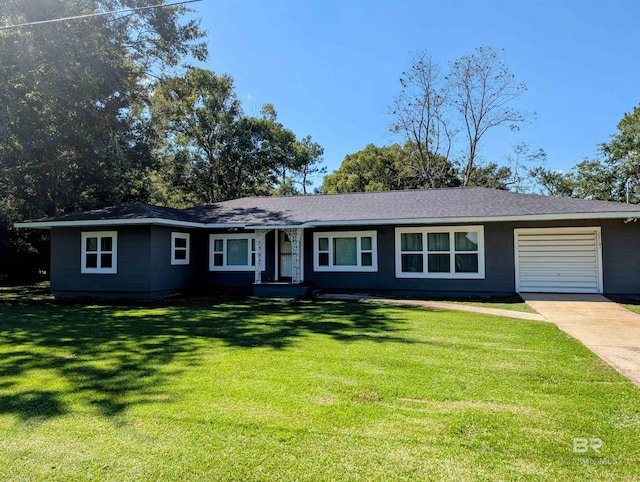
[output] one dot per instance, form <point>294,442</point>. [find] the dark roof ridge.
<point>286,196</point>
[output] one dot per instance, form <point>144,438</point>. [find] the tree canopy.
<point>71,95</point>
<point>211,151</point>
<point>435,109</point>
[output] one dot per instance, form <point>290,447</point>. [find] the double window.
<point>440,252</point>
<point>100,252</point>
<point>345,251</point>
<point>180,248</point>
<point>232,252</point>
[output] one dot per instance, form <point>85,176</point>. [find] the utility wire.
<point>98,14</point>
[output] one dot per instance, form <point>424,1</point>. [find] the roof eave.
<point>106,222</point>
<point>311,224</point>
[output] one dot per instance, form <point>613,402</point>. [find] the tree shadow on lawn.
<point>112,357</point>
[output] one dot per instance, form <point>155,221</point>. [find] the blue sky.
<point>331,68</point>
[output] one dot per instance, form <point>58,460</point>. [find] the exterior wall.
<point>166,277</point>
<point>620,259</point>
<point>133,262</point>
<point>145,270</point>
<point>499,272</point>
<point>143,262</point>
<point>234,280</point>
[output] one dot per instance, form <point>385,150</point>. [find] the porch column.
<point>260,244</point>
<point>295,236</point>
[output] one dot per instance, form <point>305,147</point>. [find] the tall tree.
<point>72,94</point>
<point>434,110</point>
<point>420,115</point>
<point>482,88</point>
<point>383,169</point>
<point>622,154</point>
<point>371,169</point>
<point>553,182</point>
<point>309,155</point>
<point>213,152</point>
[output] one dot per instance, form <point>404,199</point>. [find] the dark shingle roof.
<point>131,211</point>
<point>399,205</point>
<point>438,205</point>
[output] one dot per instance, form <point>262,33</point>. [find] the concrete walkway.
<point>609,330</point>
<point>440,305</point>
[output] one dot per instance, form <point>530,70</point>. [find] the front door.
<point>284,256</point>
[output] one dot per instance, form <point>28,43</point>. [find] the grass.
<point>246,389</point>
<point>514,303</point>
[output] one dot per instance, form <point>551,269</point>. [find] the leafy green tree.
<point>211,151</point>
<point>491,176</point>
<point>309,164</point>
<point>594,179</point>
<point>73,133</point>
<point>554,182</point>
<point>388,168</point>
<point>622,154</point>
<point>371,169</point>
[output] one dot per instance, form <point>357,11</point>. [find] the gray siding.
<point>134,269</point>
<point>620,259</point>
<point>499,272</point>
<point>166,277</point>
<point>143,262</point>
<point>232,279</point>
<point>145,270</point>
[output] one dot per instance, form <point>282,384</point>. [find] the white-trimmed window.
<point>100,252</point>
<point>232,252</point>
<point>345,251</point>
<point>440,252</point>
<point>180,248</point>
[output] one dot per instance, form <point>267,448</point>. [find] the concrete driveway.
<point>609,330</point>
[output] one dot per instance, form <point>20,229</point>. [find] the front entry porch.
<point>288,277</point>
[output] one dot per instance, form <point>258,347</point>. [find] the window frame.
<point>187,260</point>
<point>251,252</point>
<point>84,269</point>
<point>452,274</point>
<point>358,268</point>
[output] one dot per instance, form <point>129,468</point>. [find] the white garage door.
<point>558,260</point>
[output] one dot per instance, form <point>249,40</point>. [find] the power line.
<point>98,14</point>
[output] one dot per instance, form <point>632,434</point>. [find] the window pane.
<point>323,244</point>
<point>180,242</point>
<point>365,243</point>
<point>218,245</point>
<point>439,263</point>
<point>467,241</point>
<point>105,260</point>
<point>106,244</point>
<point>412,263</point>
<point>367,259</point>
<point>323,259</point>
<point>180,254</point>
<point>92,244</point>
<point>438,242</point>
<point>253,244</point>
<point>217,259</point>
<point>92,260</point>
<point>411,241</point>
<point>345,251</point>
<point>253,259</point>
<point>237,252</point>
<point>466,263</point>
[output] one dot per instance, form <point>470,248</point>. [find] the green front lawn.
<point>278,390</point>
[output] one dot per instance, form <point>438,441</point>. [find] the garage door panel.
<point>564,261</point>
